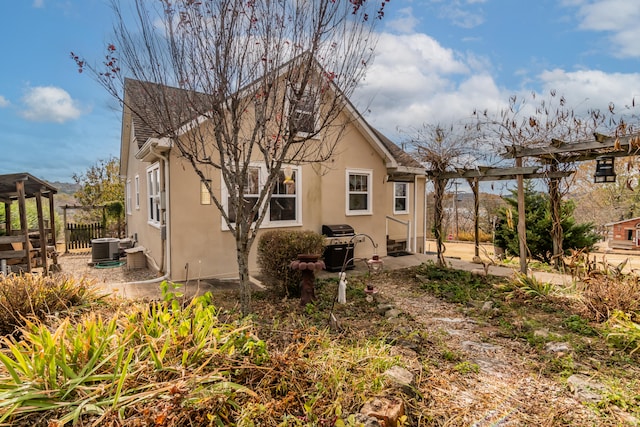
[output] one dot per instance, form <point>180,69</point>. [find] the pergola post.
<point>522,226</point>
<point>556,220</point>
<point>24,226</point>
<point>42,233</point>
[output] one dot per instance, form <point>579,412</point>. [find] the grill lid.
<point>337,230</point>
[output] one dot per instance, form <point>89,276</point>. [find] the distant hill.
<point>66,187</point>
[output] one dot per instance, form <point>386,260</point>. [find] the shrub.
<point>276,250</point>
<point>30,296</point>
<point>604,294</point>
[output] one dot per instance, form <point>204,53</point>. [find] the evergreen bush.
<point>276,250</point>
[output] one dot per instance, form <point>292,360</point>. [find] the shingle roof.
<point>158,110</point>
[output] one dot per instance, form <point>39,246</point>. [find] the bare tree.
<point>231,82</point>
<point>442,149</point>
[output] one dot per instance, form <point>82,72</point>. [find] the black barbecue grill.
<point>338,246</point>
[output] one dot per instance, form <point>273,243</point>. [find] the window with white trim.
<point>400,198</point>
<point>127,191</point>
<point>153,194</point>
<point>284,206</point>
<point>137,190</point>
<point>358,191</point>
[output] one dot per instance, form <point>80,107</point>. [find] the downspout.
<point>167,248</point>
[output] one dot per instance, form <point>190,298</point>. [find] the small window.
<point>205,196</point>
<point>304,114</point>
<point>629,234</point>
<point>127,191</point>
<point>359,192</point>
<point>137,190</point>
<point>400,198</point>
<point>153,194</point>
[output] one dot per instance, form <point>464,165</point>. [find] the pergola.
<point>559,152</point>
<point>549,157</point>
<point>17,246</point>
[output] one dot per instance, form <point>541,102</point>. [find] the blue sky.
<point>436,61</point>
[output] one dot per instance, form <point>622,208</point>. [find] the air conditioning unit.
<point>105,249</point>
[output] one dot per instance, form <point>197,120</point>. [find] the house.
<point>624,234</point>
<point>369,183</point>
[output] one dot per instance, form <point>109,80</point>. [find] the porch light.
<point>605,171</point>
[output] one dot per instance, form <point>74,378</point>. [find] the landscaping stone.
<point>400,377</point>
<point>387,410</point>
<point>383,308</point>
<point>393,313</point>
<point>559,348</point>
<point>487,306</point>
<point>479,346</point>
<point>585,389</point>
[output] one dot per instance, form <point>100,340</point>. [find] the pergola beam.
<point>565,152</point>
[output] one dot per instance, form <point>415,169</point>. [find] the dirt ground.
<point>506,390</point>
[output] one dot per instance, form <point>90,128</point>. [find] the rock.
<point>383,308</point>
<point>367,421</point>
<point>560,348</point>
<point>400,378</point>
<point>479,272</point>
<point>387,410</point>
<point>585,389</point>
<point>542,333</point>
<point>479,346</point>
<point>393,313</point>
<point>487,306</point>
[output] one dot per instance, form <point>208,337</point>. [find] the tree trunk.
<point>243,272</point>
<point>439,185</point>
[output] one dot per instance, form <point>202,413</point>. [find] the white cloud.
<point>414,80</point>
<point>4,102</point>
<point>405,22</point>
<point>49,104</point>
<point>465,14</point>
<point>619,18</point>
<point>593,88</point>
<point>38,3</point>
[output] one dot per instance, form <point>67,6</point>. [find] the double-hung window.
<point>359,191</point>
<point>153,194</point>
<point>284,206</point>
<point>400,198</point>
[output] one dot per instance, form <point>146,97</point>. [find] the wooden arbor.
<point>25,246</point>
<point>564,152</point>
<point>482,173</point>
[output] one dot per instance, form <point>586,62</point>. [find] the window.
<point>284,206</point>
<point>304,114</point>
<point>137,190</point>
<point>400,198</point>
<point>127,191</point>
<point>359,192</point>
<point>251,193</point>
<point>153,194</point>
<point>205,196</point>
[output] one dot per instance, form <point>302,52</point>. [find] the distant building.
<point>624,234</point>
